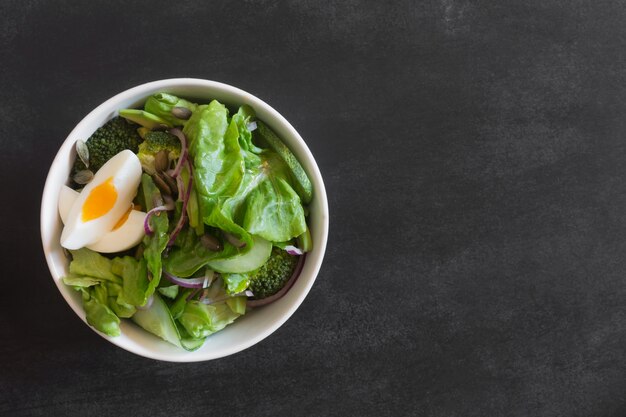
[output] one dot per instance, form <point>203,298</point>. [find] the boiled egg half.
<point>101,217</point>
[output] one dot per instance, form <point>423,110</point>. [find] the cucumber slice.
<point>305,242</point>
<point>143,118</point>
<point>246,262</point>
<point>157,320</point>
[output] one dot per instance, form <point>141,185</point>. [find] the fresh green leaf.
<point>156,243</point>
<point>99,293</point>
<point>274,212</point>
<point>79,281</point>
<point>113,289</point>
<point>219,165</point>
<point>201,320</point>
<point>98,314</point>
<point>189,254</point>
<point>237,304</point>
<point>193,208</point>
<point>143,118</point>
<point>169,292</point>
<point>161,105</point>
<point>135,276</point>
<point>86,262</point>
<point>242,118</point>
<point>235,283</point>
<point>122,310</point>
<point>177,308</point>
<point>110,293</point>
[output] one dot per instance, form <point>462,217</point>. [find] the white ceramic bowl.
<point>247,330</point>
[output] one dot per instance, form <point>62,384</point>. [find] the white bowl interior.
<point>258,323</point>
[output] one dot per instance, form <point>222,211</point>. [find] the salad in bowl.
<point>183,214</point>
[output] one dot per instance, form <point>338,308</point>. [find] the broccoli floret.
<point>156,141</point>
<point>107,141</point>
<point>273,275</point>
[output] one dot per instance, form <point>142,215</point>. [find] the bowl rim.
<point>140,92</point>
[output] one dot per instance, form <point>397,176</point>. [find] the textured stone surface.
<point>473,153</point>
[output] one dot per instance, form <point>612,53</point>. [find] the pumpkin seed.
<point>210,242</point>
<point>161,184</point>
<point>233,240</point>
<point>182,113</point>
<point>161,161</point>
<point>170,181</point>
<point>83,152</point>
<point>83,177</point>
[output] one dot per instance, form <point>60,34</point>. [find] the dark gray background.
<point>474,156</point>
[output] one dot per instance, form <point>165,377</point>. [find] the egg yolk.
<point>100,201</point>
<point>123,219</point>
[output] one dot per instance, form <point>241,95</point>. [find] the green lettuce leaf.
<point>161,105</point>
<point>242,118</point>
<point>169,292</point>
<point>237,304</point>
<point>202,320</point>
<point>115,300</point>
<point>235,283</point>
<point>178,306</point>
<point>240,189</point>
<point>121,310</point>
<point>80,281</point>
<point>98,314</point>
<point>86,262</point>
<point>193,207</point>
<point>219,165</point>
<point>189,254</point>
<point>273,211</point>
<point>135,276</point>
<point>156,243</point>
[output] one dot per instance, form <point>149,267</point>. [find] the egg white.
<point>126,236</point>
<point>125,169</point>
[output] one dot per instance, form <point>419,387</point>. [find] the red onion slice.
<point>184,151</point>
<point>282,291</point>
<point>185,282</point>
<point>193,294</point>
<point>292,250</point>
<point>183,214</point>
<point>180,184</point>
<point>209,275</point>
<point>146,223</point>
